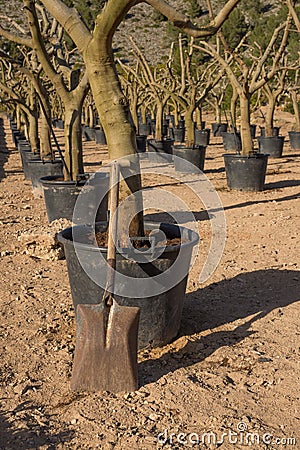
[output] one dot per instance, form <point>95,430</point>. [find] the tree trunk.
<point>159,121</point>
<point>73,140</point>
<point>218,112</point>
<point>33,133</point>
<point>246,138</point>
<point>233,102</point>
<point>296,110</point>
<point>18,118</point>
<point>189,127</point>
<point>269,120</point>
<point>198,114</point>
<point>45,138</point>
<point>143,111</point>
<point>115,117</point>
<point>134,108</point>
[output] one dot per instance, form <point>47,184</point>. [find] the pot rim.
<point>252,155</point>
<point>53,179</point>
<point>45,161</point>
<point>274,138</point>
<point>193,238</point>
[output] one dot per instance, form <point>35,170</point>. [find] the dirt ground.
<point>231,377</point>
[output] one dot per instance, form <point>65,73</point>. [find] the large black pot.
<point>60,198</point>
<point>23,144</point>
<point>164,146</point>
<point>141,143</point>
<point>26,156</point>
<point>161,312</point>
<point>38,168</point>
<point>17,136</point>
<point>218,128</point>
<point>100,136</point>
<point>246,173</point>
<point>273,145</point>
<point>88,133</point>
<point>275,131</point>
<point>253,130</point>
<point>193,155</point>
<point>60,124</point>
<point>231,141</point>
<point>178,134</point>
<point>144,129</point>
<point>202,137</point>
<point>294,140</point>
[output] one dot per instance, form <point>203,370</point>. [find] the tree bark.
<point>246,138</point>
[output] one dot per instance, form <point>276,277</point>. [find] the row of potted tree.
<point>58,81</point>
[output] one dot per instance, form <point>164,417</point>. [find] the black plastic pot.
<point>100,136</point>
<point>202,137</point>
<point>164,146</point>
<point>231,141</point>
<point>60,198</point>
<point>144,129</point>
<point>160,315</point>
<point>38,168</point>
<point>171,119</point>
<point>218,128</point>
<point>17,135</point>
<point>24,145</point>
<point>294,140</point>
<point>60,124</point>
<point>181,123</point>
<point>26,155</point>
<point>178,134</point>
<point>165,128</point>
<point>152,126</point>
<point>194,155</point>
<point>141,142</point>
<point>246,173</point>
<point>275,131</point>
<point>272,145</point>
<point>253,131</point>
<point>88,133</point>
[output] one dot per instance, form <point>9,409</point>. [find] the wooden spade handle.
<point>113,224</point>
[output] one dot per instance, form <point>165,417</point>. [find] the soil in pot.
<point>161,310</point>
<point>273,145</point>
<point>246,173</point>
<point>61,196</point>
<point>294,140</point>
<point>190,159</point>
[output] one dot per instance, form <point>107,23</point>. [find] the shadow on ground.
<point>253,295</point>
<point>4,153</point>
<point>25,427</point>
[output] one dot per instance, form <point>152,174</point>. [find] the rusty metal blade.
<point>106,348</point>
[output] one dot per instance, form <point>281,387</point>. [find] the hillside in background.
<point>149,29</point>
